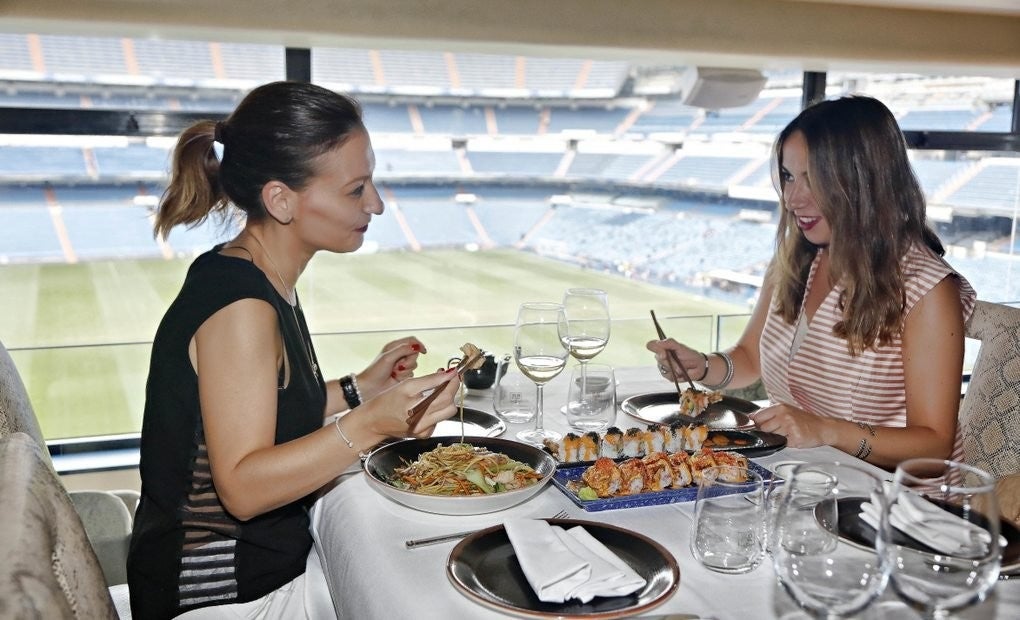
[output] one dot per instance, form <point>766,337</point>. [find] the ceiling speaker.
<point>717,87</point>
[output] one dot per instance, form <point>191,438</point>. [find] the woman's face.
<point>797,194</point>
<point>336,206</point>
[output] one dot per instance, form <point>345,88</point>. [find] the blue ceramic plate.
<point>565,475</point>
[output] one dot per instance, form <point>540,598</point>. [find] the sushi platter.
<point>568,477</point>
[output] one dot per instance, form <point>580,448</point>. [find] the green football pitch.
<point>81,333</point>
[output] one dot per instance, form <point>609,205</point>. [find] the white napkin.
<point>564,564</point>
<point>931,525</point>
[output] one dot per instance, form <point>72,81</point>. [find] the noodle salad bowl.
<point>380,464</point>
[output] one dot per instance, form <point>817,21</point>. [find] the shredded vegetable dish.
<point>463,469</point>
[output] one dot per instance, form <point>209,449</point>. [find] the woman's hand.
<point>801,428</point>
<point>395,363</point>
<point>389,410</point>
<point>693,361</point>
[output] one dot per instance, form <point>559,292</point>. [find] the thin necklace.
<point>291,295</point>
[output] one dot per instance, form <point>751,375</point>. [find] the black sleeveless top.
<point>186,550</point>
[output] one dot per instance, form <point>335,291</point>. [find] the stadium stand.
<point>52,195</point>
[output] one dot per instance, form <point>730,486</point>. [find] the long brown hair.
<point>275,133</point>
<point>863,184</point>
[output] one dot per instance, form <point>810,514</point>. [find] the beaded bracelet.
<point>863,450</point>
<point>729,372</point>
<point>349,387</point>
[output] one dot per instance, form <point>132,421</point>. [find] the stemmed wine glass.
<point>587,311</point>
<point>825,574</point>
<point>942,535</point>
<point>540,354</point>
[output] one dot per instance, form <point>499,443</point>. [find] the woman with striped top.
<point>858,332</point>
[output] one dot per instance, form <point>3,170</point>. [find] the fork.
<point>424,542</point>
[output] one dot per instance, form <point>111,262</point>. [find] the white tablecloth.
<point>360,537</point>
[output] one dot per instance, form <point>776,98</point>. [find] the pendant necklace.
<point>290,295</point>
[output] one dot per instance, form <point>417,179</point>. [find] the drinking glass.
<point>540,354</point>
<point>587,311</point>
<point>729,520</point>
<point>825,574</point>
<point>514,395</point>
<point>956,561</point>
<point>591,397</point>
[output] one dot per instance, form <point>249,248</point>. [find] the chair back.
<point>48,568</point>
<point>16,413</point>
<point>990,413</point>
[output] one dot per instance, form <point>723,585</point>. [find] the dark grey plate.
<point>477,423</point>
<point>664,408</point>
<point>484,568</point>
<point>855,530</point>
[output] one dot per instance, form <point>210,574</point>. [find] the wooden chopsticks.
<point>415,413</point>
<point>676,360</point>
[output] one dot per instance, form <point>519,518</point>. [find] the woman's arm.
<point>933,366</point>
<point>237,354</point>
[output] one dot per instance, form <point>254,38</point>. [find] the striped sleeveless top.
<point>822,377</point>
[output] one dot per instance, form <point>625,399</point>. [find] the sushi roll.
<point>634,443</point>
<point>612,443</point>
<point>694,437</point>
<point>588,446</point>
<point>657,438</point>
<point>603,477</point>
<point>701,461</point>
<point>737,466</point>
<point>680,463</point>
<point>632,476</point>
<point>565,450</point>
<point>658,473</point>
<point>673,438</point>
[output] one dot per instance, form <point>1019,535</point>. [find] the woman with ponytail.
<point>858,332</point>
<point>234,444</point>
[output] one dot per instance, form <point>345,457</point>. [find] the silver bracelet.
<point>729,372</point>
<point>346,440</point>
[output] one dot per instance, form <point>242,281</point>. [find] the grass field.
<point>84,329</point>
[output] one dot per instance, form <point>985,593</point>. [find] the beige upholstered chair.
<point>48,568</point>
<point>990,413</point>
<point>105,514</point>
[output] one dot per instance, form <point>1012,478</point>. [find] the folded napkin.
<point>931,525</point>
<point>565,564</point>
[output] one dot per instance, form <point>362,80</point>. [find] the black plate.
<point>749,443</point>
<point>855,530</point>
<point>477,423</point>
<point>484,568</point>
<point>664,408</point>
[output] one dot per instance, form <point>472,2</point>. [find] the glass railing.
<point>98,391</point>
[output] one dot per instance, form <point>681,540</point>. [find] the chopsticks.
<point>414,414</point>
<point>676,360</point>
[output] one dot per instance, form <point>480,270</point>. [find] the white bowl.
<point>380,465</point>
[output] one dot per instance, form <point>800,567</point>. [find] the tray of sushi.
<point>656,478</point>
<point>671,438</point>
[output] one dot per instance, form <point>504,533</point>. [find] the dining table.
<point>360,536</point>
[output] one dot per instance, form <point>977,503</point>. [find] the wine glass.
<point>941,535</point>
<point>540,354</point>
<point>587,311</point>
<point>825,574</point>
